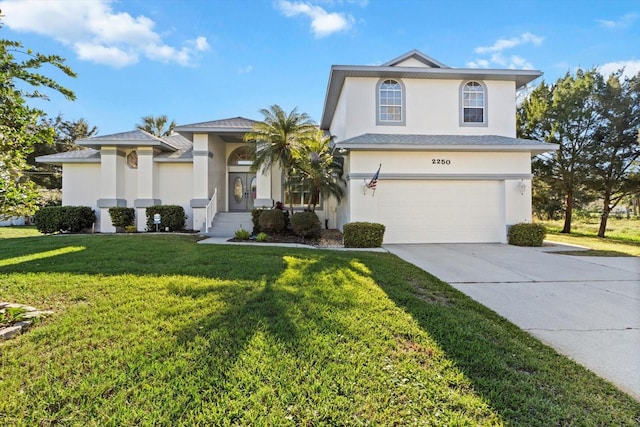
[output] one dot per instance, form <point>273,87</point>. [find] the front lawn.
<point>159,330</point>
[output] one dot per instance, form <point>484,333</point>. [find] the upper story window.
<point>390,103</point>
<point>474,104</point>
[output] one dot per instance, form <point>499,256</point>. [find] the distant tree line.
<point>595,120</point>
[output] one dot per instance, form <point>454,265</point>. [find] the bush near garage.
<point>122,217</point>
<point>272,221</point>
<point>306,225</point>
<point>171,216</point>
<point>72,219</point>
<point>526,234</point>
<point>363,235</point>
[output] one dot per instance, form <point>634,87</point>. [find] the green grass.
<point>18,231</point>
<point>623,237</point>
<point>158,330</point>
<point>625,230</point>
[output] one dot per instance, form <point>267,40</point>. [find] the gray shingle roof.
<point>240,124</point>
<point>183,155</point>
<point>134,138</point>
<point>376,141</point>
<point>88,155</point>
<point>177,141</point>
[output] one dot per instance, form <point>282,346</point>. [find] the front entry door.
<point>242,191</point>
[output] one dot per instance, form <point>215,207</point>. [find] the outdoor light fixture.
<point>522,187</point>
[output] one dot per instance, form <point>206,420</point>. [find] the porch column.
<point>264,198</point>
<point>111,186</point>
<point>200,196</point>
<point>145,183</point>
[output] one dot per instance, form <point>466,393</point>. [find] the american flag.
<point>374,181</point>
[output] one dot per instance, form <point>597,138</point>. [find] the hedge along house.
<point>203,167</point>
<point>452,169</point>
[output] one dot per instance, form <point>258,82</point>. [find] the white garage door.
<point>441,211</point>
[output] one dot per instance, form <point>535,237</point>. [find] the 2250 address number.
<point>445,162</point>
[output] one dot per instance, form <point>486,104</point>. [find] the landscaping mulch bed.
<point>328,239</point>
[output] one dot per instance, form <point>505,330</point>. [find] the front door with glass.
<point>242,191</point>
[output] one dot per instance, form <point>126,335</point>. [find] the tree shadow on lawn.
<point>525,381</point>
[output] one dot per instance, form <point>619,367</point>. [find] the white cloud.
<point>623,22</point>
<point>503,44</point>
<point>631,68</point>
<point>97,33</point>
<point>497,58</point>
<point>323,23</point>
<point>245,70</point>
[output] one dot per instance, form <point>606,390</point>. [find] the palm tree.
<point>156,125</point>
<point>319,170</point>
<point>278,139</point>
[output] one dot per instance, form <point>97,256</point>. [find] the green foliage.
<point>262,237</point>
<point>11,315</point>
<point>20,129</point>
<point>171,216</point>
<point>272,221</point>
<point>363,235</point>
<point>255,219</point>
<point>72,219</point>
<point>306,225</point>
<point>131,229</point>
<point>64,139</point>
<point>158,126</point>
<point>122,217</point>
<point>527,234</point>
<point>242,234</point>
<point>318,170</point>
<point>278,139</point>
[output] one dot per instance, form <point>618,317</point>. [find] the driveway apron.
<point>587,308</point>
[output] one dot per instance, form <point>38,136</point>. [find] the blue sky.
<point>200,60</point>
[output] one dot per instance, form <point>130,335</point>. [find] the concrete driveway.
<point>587,308</point>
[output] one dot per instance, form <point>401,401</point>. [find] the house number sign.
<point>445,162</point>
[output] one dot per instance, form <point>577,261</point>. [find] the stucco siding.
<point>431,107</point>
<point>175,187</point>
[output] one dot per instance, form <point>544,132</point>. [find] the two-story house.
<point>452,169</point>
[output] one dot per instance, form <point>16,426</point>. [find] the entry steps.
<point>225,224</point>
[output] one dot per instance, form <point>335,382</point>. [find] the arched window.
<point>390,102</point>
<point>474,104</point>
<point>241,156</point>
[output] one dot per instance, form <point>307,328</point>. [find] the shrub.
<point>73,219</point>
<point>262,237</point>
<point>255,219</point>
<point>363,235</point>
<point>122,217</point>
<point>526,234</point>
<point>272,221</point>
<point>130,229</point>
<point>242,234</point>
<point>171,216</point>
<point>306,224</point>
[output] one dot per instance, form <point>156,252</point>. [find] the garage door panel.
<point>441,211</point>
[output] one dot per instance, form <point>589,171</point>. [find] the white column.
<point>144,185</point>
<point>200,196</point>
<point>111,175</point>
<point>264,198</point>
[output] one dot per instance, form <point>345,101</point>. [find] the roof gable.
<point>414,58</point>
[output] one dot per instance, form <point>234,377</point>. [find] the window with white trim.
<point>390,101</point>
<point>473,103</point>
